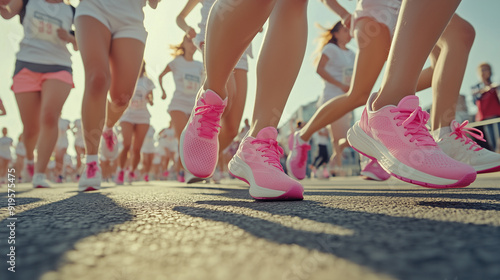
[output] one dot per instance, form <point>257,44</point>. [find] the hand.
<point>63,35</point>
<point>153,3</point>
<point>164,95</point>
<point>191,33</point>
<point>344,88</point>
<point>346,21</point>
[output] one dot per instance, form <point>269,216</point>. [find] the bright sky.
<point>163,32</point>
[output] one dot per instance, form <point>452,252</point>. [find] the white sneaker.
<point>109,145</point>
<point>91,178</point>
<point>39,181</point>
<point>462,148</point>
<point>217,176</point>
<point>190,178</point>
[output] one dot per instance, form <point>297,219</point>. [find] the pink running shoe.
<point>296,161</point>
<point>91,178</point>
<point>397,137</point>
<point>131,177</point>
<point>120,177</point>
<point>146,178</point>
<point>257,162</point>
<point>373,171</point>
<point>199,144</point>
<point>109,138</point>
<point>462,148</point>
<point>180,177</point>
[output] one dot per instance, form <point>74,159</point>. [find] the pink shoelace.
<point>414,122</point>
<point>271,150</point>
<point>91,169</point>
<point>461,131</point>
<point>31,169</point>
<point>304,148</point>
<point>110,140</point>
<point>210,117</point>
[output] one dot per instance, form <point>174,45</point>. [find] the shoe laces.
<point>209,120</point>
<point>271,150</point>
<point>461,131</point>
<point>110,139</point>
<point>91,169</point>
<point>414,122</point>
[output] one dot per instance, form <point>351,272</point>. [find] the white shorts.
<point>79,142</point>
<point>62,143</point>
<point>21,150</point>
<point>148,147</point>
<point>136,117</point>
<point>182,103</point>
<point>124,19</point>
<point>242,63</point>
<point>383,11</point>
<point>5,155</point>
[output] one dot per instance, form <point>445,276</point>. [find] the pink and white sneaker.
<point>40,181</point>
<point>109,147</point>
<point>458,146</point>
<point>91,178</point>
<point>146,178</point>
<point>120,177</point>
<point>397,137</point>
<point>373,171</point>
<point>31,169</point>
<point>199,144</point>
<point>131,177</point>
<point>296,162</point>
<point>257,162</point>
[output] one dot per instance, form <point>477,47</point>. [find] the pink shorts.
<point>29,81</point>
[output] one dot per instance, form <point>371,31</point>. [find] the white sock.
<point>28,161</point>
<point>440,132</point>
<point>39,175</point>
<point>91,158</point>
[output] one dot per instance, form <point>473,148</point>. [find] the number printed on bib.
<point>191,84</point>
<point>45,27</point>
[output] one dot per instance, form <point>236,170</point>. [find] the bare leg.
<point>94,41</point>
<point>369,62</point>
<point>224,25</point>
<point>127,134</point>
<point>125,59</point>
<point>281,57</point>
<point>412,44</point>
<point>179,120</point>
<point>140,131</point>
<point>29,109</point>
<point>54,94</point>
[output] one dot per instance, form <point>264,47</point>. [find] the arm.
<point>165,72</point>
<point>153,3</point>
<point>3,112</point>
<point>149,97</point>
<point>339,10</point>
<point>10,8</point>
<point>181,18</point>
<point>321,70</point>
<point>67,37</point>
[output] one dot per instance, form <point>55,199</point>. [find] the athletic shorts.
<point>124,18</point>
<point>383,11</point>
<point>29,81</point>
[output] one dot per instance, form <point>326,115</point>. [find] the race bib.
<point>45,27</point>
<point>191,84</point>
<point>137,103</point>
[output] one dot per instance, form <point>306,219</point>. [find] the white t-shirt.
<point>340,66</point>
<point>5,143</point>
<point>63,128</point>
<point>40,43</point>
<point>139,101</point>
<point>188,76</point>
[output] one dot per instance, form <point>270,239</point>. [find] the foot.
<point>91,178</point>
<point>109,147</point>
<point>146,178</point>
<point>397,137</point>
<point>458,146</point>
<point>296,161</point>
<point>199,144</point>
<point>373,171</point>
<point>191,179</point>
<point>257,162</point>
<point>131,177</point>
<point>40,181</point>
<point>120,177</point>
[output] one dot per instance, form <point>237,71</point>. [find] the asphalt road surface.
<point>346,228</point>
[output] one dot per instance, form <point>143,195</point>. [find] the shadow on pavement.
<point>403,247</point>
<point>44,234</point>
